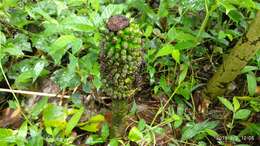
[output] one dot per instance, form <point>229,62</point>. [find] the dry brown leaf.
<point>11,118</point>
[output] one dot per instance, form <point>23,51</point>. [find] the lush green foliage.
<point>184,42</point>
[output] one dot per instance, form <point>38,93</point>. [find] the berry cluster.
<point>121,61</point>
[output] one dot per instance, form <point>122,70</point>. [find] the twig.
<point>34,93</point>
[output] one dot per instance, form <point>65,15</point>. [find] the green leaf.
<point>176,55</point>
<point>248,69</point>
<point>24,78</point>
<point>94,139</point>
<point>251,129</point>
<point>76,46</point>
<point>141,124</point>
<point>59,47</point>
<point>179,35</point>
<point>2,38</point>
<point>17,45</point>
<point>76,2</point>
<point>22,132</point>
<point>97,118</point>
<point>158,130</point>
<point>77,23</point>
<point>94,4</point>
<point>229,7</point>
<point>135,134</point>
<point>163,8</point>
<point>20,42</point>
<point>178,122</point>
<point>91,127</point>
<point>21,135</point>
<point>39,106</point>
<point>233,138</point>
<point>165,85</point>
<point>251,83</point>
<point>112,9</point>
<point>227,103</point>
<point>243,3</point>
<point>18,18</point>
<point>12,50</point>
<point>192,130</point>
<point>255,104</point>
<point>242,114</point>
<point>54,116</point>
<point>38,68</point>
<point>66,78</point>
<point>113,142</point>
<point>7,136</point>
<point>36,138</point>
<point>183,45</point>
<point>236,15</point>
<point>9,3</point>
<point>184,70</point>
<point>148,31</point>
<point>27,71</point>
<point>211,132</point>
<point>60,6</point>
<point>144,8</point>
<point>76,100</point>
<point>133,109</point>
<point>165,50</point>
<point>97,82</point>
<point>74,121</point>
<point>49,130</point>
<point>236,104</point>
<point>93,124</point>
<point>105,131</point>
<point>185,89</point>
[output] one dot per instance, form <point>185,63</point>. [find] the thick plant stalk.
<point>120,59</point>
<point>119,111</point>
<point>239,56</point>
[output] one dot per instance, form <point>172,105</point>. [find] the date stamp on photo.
<point>235,138</point>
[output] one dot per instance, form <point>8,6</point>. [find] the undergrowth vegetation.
<point>67,79</point>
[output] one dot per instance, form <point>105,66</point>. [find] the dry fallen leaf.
<point>11,118</point>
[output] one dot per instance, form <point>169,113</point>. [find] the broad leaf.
<point>135,134</point>
<point>165,50</point>
<point>2,38</point>
<point>54,116</point>
<point>39,106</point>
<point>73,121</point>
<point>94,139</point>
<point>242,114</point>
<point>113,142</point>
<point>227,103</point>
<point>192,130</point>
<point>251,83</point>
<point>7,136</point>
<point>22,133</point>
<point>179,35</point>
<point>105,131</point>
<point>184,70</point>
<point>93,124</point>
<point>62,44</point>
<point>112,9</point>
<point>236,104</point>
<point>141,124</point>
<point>176,55</point>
